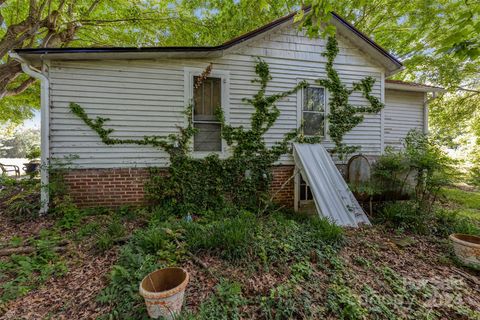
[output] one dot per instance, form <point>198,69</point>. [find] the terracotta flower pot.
<point>467,248</point>
<point>163,291</point>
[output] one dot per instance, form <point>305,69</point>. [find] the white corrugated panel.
<point>333,199</point>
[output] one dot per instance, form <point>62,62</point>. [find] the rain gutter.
<point>45,127</point>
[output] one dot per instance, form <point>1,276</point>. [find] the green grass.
<point>465,199</point>
<point>467,203</point>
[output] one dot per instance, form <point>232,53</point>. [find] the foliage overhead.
<point>19,143</point>
<point>438,41</point>
<point>98,23</point>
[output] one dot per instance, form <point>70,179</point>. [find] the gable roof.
<point>347,30</point>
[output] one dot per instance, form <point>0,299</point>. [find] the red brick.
<point>116,187</point>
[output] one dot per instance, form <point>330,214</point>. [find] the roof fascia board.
<point>416,88</point>
<point>365,44</point>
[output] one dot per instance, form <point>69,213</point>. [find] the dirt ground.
<point>419,260</point>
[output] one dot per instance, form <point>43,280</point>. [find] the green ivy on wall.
<point>343,116</point>
<point>244,177</point>
<point>173,143</point>
<point>195,185</point>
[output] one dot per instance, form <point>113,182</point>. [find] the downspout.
<point>425,111</point>
<point>45,128</point>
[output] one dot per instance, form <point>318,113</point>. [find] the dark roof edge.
<point>368,40</point>
<point>225,45</point>
<point>230,43</point>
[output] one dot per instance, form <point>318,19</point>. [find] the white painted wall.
<point>146,97</point>
<point>403,112</point>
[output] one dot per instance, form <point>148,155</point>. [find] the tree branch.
<point>92,7</point>
<point>21,88</point>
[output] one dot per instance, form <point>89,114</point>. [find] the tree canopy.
<point>438,40</point>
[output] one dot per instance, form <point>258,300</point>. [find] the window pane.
<point>313,99</point>
<point>313,123</point>
<point>303,190</point>
<point>206,98</point>
<point>207,137</point>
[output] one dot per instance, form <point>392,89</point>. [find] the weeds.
<point>232,238</point>
<point>410,216</point>
<point>20,199</point>
<point>224,304</point>
<point>20,273</point>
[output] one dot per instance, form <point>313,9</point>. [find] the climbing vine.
<point>195,185</point>
<point>250,143</point>
<point>343,116</point>
<point>173,143</point>
<point>243,178</point>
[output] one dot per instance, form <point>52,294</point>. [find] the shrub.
<point>406,215</point>
<point>410,216</point>
<point>421,160</point>
<point>433,168</point>
<point>391,171</point>
<point>33,153</point>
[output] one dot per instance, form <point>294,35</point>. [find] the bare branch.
<point>468,90</point>
<point>21,88</point>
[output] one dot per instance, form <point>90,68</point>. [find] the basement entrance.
<point>331,195</point>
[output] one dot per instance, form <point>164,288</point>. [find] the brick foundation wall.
<point>285,196</point>
<point>117,187</point>
<point>107,187</point>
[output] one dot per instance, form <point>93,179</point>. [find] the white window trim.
<point>224,75</point>
<point>326,138</point>
<point>311,83</point>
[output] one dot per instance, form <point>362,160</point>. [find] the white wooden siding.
<point>146,97</point>
<point>403,112</point>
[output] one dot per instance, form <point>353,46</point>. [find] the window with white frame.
<point>313,111</point>
<point>207,98</point>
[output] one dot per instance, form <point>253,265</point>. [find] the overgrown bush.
<point>431,165</point>
<point>391,172</point>
<point>411,216</point>
<point>421,169</point>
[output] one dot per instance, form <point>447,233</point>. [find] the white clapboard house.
<point>144,91</point>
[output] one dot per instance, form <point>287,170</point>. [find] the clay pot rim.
<point>454,238</point>
<point>168,293</point>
